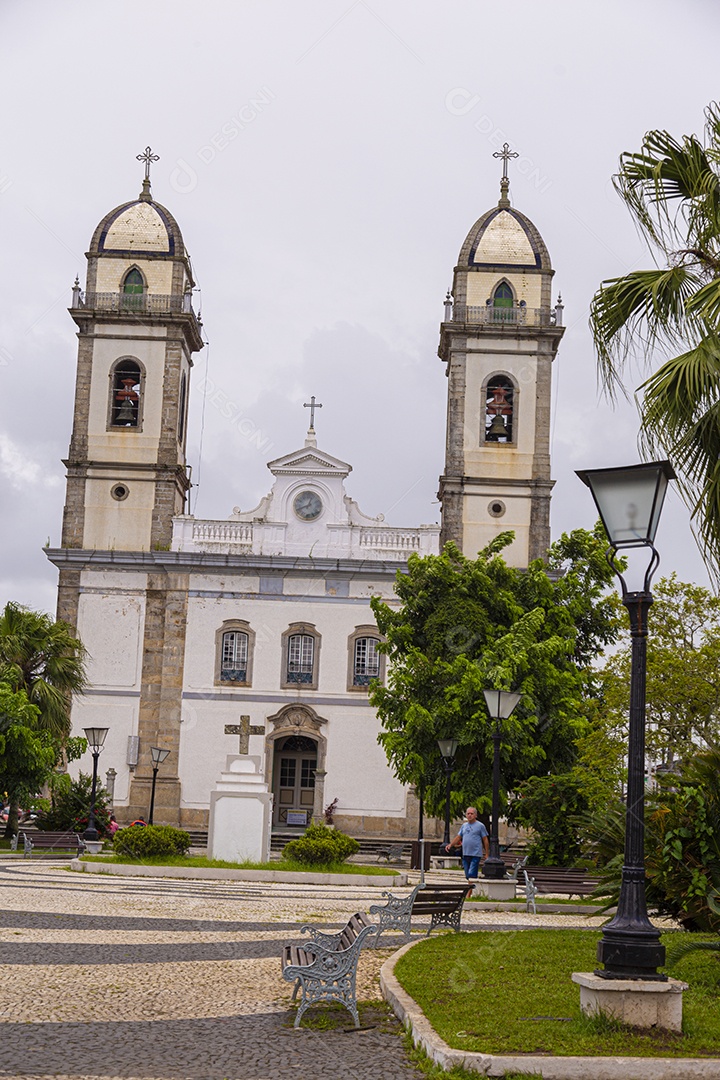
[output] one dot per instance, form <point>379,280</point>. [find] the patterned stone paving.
<point>107,978</point>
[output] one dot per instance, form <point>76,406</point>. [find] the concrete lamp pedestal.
<point>496,888</point>
<point>641,1003</point>
<point>93,847</point>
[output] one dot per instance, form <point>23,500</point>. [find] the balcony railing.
<point>218,532</point>
<point>388,539</point>
<point>138,303</point>
<point>517,315</point>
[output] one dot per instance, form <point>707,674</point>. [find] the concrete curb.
<point>550,1068</point>
<point>207,873</point>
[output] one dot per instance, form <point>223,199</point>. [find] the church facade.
<point>253,633</point>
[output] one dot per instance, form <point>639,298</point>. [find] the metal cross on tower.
<point>148,157</point>
<point>506,153</point>
<point>312,405</point>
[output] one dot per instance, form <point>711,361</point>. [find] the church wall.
<point>481,285</point>
<point>123,525</point>
<point>132,445</point>
<point>158,274</point>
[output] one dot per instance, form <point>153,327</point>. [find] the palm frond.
<point>683,948</point>
<point>640,308</point>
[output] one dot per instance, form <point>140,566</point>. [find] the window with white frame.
<point>234,646</point>
<point>366,661</point>
<point>301,658</point>
<point>233,663</point>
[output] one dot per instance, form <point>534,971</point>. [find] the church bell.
<point>497,429</point>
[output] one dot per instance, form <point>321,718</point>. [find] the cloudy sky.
<point>325,161</point>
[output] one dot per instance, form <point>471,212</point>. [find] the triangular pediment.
<point>309,462</point>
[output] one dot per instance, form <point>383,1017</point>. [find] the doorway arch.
<point>295,754</point>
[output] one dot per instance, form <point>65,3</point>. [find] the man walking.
<point>473,838</point>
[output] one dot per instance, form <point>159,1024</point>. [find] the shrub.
<point>682,850</point>
<point>321,846</point>
<point>69,806</point>
<point>150,841</point>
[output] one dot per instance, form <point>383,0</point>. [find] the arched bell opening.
<point>500,400</point>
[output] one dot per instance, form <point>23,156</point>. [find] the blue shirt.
<point>472,833</point>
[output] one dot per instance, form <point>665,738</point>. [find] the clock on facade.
<point>307,505</point>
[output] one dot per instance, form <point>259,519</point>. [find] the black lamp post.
<point>158,756</point>
<point>448,749</point>
<point>96,738</point>
<point>500,704</point>
<point>629,501</point>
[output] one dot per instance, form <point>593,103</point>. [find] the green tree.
<point>683,675</point>
<point>465,625</point>
<point>69,805</point>
<point>672,189</point>
<point>45,659</point>
<point>27,754</point>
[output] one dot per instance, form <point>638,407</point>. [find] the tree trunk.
<point>12,822</point>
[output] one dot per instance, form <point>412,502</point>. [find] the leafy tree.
<point>682,845</point>
<point>672,189</point>
<point>27,754</point>
<point>43,658</point>
<point>683,674</point>
<point>466,625</point>
<point>69,805</point>
<point>553,807</point>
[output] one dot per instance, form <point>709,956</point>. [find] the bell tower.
<point>498,340</point>
<point>126,468</point>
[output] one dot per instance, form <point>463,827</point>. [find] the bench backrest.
<point>439,898</point>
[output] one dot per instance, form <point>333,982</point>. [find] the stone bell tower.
<point>126,479</point>
<point>498,341</point>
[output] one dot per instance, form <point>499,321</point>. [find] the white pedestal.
<point>640,1003</point>
<point>496,888</point>
<point>444,862</point>
<point>94,847</point>
<point>240,813</point>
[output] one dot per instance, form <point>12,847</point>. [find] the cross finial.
<point>312,405</point>
<point>505,154</point>
<point>148,157</point>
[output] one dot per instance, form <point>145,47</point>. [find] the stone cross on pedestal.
<point>244,729</point>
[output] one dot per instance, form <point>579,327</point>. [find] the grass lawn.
<point>220,864</point>
<point>510,992</point>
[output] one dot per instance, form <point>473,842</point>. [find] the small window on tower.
<point>133,282</point>
<point>132,298</point>
<point>503,303</point>
<point>125,401</point>
<point>499,409</point>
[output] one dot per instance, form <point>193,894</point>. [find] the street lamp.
<point>96,738</point>
<point>629,501</point>
<point>500,704</point>
<point>158,756</point>
<point>448,749</point>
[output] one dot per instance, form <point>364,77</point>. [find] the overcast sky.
<point>325,161</point>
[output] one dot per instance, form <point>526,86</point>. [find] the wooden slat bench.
<point>48,841</point>
<point>572,882</point>
<point>325,968</point>
<point>444,904</point>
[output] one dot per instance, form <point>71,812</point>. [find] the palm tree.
<point>45,659</point>
<point>672,188</point>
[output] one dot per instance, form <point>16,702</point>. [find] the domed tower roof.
<point>140,226</point>
<point>503,238</point>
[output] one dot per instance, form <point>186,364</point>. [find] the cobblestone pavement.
<point>106,978</point>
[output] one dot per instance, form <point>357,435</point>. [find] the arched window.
<point>126,386</point>
<point>234,659</point>
<point>503,303</point>
<point>234,648</point>
<point>301,655</point>
<point>133,282</point>
<point>132,298</point>
<point>499,409</point>
<point>366,662</point>
<point>300,652</point>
